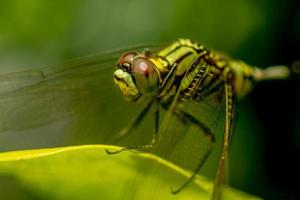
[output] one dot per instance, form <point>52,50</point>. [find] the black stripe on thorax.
<point>180,46</point>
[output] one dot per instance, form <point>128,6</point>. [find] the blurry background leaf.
<point>87,172</point>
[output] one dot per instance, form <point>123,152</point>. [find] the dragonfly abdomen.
<point>243,81</point>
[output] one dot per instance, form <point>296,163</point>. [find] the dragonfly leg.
<point>221,171</point>
<point>185,117</point>
<point>141,148</point>
<point>134,123</point>
<point>156,125</point>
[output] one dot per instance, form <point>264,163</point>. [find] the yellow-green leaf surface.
<point>87,172</point>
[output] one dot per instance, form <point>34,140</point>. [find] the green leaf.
<point>88,172</point>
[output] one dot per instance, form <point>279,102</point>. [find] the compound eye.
<point>126,59</point>
<point>146,75</point>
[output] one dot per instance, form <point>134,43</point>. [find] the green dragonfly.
<point>185,87</point>
<point>178,79</point>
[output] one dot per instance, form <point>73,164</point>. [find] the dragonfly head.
<point>136,75</point>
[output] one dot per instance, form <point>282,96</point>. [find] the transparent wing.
<point>187,140</point>
<point>76,103</point>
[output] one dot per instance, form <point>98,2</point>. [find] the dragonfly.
<point>186,87</point>
<point>177,79</point>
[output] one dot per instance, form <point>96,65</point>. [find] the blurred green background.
<point>265,150</point>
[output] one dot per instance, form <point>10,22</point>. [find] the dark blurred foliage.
<point>277,105</point>
<point>265,153</point>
